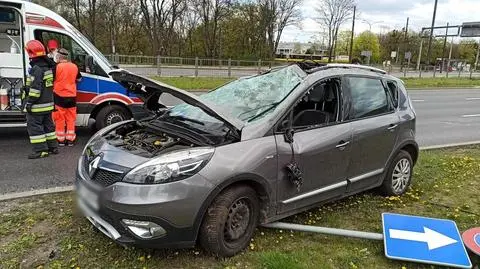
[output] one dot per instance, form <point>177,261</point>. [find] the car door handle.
<point>342,144</point>
<point>392,127</point>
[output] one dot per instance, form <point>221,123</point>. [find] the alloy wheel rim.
<point>238,220</point>
<point>401,175</point>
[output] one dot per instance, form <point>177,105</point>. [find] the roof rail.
<point>348,66</point>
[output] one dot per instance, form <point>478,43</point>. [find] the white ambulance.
<point>99,96</point>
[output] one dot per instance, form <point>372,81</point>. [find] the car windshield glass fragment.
<point>246,99</point>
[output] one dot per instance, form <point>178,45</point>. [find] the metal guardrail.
<point>205,67</point>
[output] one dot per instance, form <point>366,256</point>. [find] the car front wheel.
<point>399,175</point>
<point>230,221</point>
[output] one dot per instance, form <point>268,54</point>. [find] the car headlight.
<point>170,167</point>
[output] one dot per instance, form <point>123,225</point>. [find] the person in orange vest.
<point>65,95</point>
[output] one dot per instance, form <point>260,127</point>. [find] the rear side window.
<point>393,89</point>
<point>369,97</point>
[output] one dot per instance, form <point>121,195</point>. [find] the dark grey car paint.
<point>260,157</point>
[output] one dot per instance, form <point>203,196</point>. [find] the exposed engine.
<point>144,142</point>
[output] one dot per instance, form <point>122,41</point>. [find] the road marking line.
<point>418,100</point>
<point>16,195</point>
<point>471,116</point>
<point>472,98</point>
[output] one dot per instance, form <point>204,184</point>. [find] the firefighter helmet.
<point>35,49</point>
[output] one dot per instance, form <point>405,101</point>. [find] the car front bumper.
<point>174,207</point>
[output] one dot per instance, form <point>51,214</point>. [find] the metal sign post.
<point>409,238</point>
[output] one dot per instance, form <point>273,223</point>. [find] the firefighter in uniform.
<point>39,102</point>
<point>65,93</point>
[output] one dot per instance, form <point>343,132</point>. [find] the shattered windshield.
<point>246,99</point>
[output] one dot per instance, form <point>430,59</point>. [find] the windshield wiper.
<point>182,118</point>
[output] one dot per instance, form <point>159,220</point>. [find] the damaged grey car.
<point>253,151</point>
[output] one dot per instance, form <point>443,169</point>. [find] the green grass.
<point>434,83</point>
<point>47,232</point>
<point>194,83</point>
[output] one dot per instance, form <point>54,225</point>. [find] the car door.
<point>322,153</point>
<point>374,128</point>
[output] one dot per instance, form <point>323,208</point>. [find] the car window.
<point>392,87</point>
<point>320,106</point>
<point>369,97</point>
<point>77,54</point>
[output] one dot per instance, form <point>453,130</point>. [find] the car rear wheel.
<point>399,175</point>
<point>111,114</point>
<point>230,221</point>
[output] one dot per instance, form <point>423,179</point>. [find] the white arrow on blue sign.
<point>426,240</point>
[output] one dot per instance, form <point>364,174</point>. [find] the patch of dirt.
<point>7,206</point>
<point>46,245</point>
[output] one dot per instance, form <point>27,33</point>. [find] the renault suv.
<point>258,149</point>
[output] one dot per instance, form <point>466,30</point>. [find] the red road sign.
<point>471,238</point>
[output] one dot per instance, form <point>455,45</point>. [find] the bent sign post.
<point>425,240</point>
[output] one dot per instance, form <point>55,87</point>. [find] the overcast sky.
<point>386,15</point>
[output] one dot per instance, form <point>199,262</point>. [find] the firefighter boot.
<point>38,155</point>
<point>53,151</point>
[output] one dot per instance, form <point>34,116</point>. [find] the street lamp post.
<point>370,23</point>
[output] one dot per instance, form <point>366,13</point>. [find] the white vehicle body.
<point>99,96</point>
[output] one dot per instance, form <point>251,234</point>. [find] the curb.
<point>453,145</point>
<point>17,195</point>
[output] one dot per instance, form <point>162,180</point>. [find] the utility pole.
<point>429,51</point>
<point>449,57</point>
<point>405,41</point>
<point>443,50</point>
<point>419,58</point>
<point>350,55</point>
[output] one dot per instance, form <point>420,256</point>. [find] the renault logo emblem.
<point>92,167</point>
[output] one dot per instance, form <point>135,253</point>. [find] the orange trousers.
<point>64,119</point>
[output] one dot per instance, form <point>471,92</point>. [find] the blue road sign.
<point>426,240</point>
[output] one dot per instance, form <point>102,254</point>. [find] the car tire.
<point>111,114</point>
<point>399,175</point>
<point>230,221</point>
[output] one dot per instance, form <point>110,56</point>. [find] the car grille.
<point>106,178</point>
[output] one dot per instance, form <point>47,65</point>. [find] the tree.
<point>343,42</point>
<point>468,50</point>
<point>211,13</point>
<point>367,41</point>
<point>331,15</point>
<point>275,16</point>
<point>160,17</point>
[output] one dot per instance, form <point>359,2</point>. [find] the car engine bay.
<point>142,141</point>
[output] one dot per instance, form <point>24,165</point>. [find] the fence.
<point>177,66</point>
<point>200,67</point>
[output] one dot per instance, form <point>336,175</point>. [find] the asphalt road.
<point>443,117</point>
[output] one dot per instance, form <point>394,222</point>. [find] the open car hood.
<point>146,88</point>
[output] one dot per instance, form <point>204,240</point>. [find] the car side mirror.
<point>288,135</point>
<point>284,125</point>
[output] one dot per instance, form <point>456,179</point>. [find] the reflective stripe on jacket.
<point>40,82</point>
